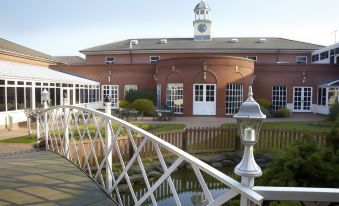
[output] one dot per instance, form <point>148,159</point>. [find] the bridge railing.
<point>67,129</point>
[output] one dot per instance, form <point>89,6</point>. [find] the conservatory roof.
<point>334,83</point>
<point>14,70</point>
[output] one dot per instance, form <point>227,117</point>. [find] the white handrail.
<point>56,113</point>
<point>60,126</point>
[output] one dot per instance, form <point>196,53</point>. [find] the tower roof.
<point>202,6</point>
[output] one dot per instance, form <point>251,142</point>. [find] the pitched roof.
<point>14,70</point>
<point>220,44</point>
<point>71,60</point>
<point>11,48</point>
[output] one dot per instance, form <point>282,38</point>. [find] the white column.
<point>46,124</point>
<point>37,131</point>
<point>108,142</point>
<point>33,96</point>
<point>247,182</point>
<point>66,127</point>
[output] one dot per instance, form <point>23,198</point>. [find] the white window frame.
<point>279,99</point>
<point>301,62</point>
<point>234,98</point>
<point>113,91</point>
<point>154,59</point>
<point>175,95</point>
<point>254,59</point>
<point>129,87</point>
<point>109,61</point>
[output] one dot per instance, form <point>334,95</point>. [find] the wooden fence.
<point>210,140</point>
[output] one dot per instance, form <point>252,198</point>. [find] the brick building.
<point>210,76</point>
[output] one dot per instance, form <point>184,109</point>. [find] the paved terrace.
<point>45,178</point>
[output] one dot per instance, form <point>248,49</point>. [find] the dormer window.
<point>109,60</point>
<point>154,59</point>
<point>254,58</point>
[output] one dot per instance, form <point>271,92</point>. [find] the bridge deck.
<point>45,178</point>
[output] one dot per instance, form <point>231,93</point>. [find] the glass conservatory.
<point>21,86</point>
<point>328,95</point>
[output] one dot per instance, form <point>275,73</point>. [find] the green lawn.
<point>148,127</point>
<point>21,140</point>
<point>312,126</point>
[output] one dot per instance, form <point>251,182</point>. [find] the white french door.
<point>113,91</point>
<point>204,99</point>
<point>302,99</point>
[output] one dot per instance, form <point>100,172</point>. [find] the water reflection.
<point>187,187</point>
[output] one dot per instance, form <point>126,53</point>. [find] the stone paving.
<point>45,178</point>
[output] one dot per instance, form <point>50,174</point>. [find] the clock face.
<point>202,28</point>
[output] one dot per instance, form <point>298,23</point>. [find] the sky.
<point>63,27</point>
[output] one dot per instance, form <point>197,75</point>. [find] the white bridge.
<point>88,138</point>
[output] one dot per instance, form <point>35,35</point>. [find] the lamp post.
<point>108,142</point>
<point>45,99</point>
<point>249,119</point>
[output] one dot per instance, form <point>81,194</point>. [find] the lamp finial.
<point>250,93</point>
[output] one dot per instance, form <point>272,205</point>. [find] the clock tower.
<point>202,24</point>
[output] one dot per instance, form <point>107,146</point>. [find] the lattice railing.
<point>68,129</point>
<point>89,139</point>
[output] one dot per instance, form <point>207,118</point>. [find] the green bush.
<point>144,106</point>
<point>264,103</point>
<point>266,112</point>
<point>333,116</point>
<point>133,95</point>
<point>303,164</point>
<point>282,112</point>
<point>124,104</point>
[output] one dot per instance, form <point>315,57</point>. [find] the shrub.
<point>282,112</point>
<point>333,116</point>
<point>144,106</point>
<point>265,103</point>
<point>266,112</point>
<point>133,95</point>
<point>332,139</point>
<point>124,104</point>
<point>303,164</point>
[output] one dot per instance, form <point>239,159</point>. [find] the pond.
<point>187,187</point>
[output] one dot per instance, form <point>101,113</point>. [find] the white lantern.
<point>45,96</point>
<point>249,119</point>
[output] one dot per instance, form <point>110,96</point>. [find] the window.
<point>279,97</point>
<point>52,96</point>
<point>28,97</point>
<point>323,55</point>
<point>2,99</point>
<point>234,98</point>
<point>113,91</point>
<point>110,60</point>
<point>333,96</point>
<point>20,96</point>
<point>11,99</point>
<point>254,58</point>
<point>315,57</point>
<point>199,93</point>
<point>158,95</point>
<point>129,87</point>
<point>175,97</point>
<point>154,59</point>
<point>321,96</point>
<point>301,59</point>
<point>57,96</point>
